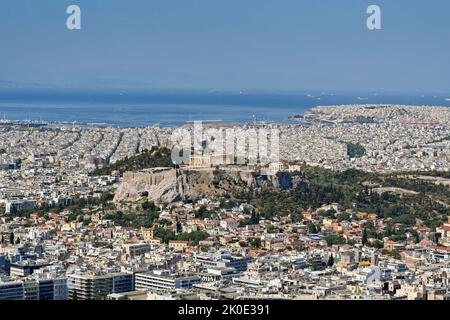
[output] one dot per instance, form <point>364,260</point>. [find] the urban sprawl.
<point>356,207</point>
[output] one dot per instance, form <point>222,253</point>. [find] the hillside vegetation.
<point>156,157</point>
<point>352,189</point>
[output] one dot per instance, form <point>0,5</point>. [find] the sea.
<point>147,108</point>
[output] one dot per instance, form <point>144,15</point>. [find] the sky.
<point>274,45</point>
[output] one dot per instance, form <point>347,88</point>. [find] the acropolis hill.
<point>165,185</point>
<point>58,161</point>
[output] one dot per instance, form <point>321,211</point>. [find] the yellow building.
<point>178,245</point>
<point>147,233</point>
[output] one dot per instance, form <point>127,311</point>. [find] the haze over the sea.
<point>138,108</point>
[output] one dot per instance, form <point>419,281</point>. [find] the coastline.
<point>302,118</point>
<point>128,110</point>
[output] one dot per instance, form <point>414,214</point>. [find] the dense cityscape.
<point>356,207</point>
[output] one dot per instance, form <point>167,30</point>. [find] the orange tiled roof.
<point>441,248</point>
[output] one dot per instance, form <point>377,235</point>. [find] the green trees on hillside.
<point>350,190</point>
<point>166,235</point>
<point>156,157</point>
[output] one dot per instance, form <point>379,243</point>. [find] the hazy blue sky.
<point>226,44</point>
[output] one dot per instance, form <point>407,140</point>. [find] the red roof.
<point>441,248</point>
<point>391,242</point>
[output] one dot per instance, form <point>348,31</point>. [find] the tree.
<point>396,255</point>
<point>179,227</point>
<point>415,235</point>
<point>149,205</point>
<point>312,228</point>
<point>335,239</point>
<point>156,157</point>
<point>243,244</point>
<point>254,218</point>
<point>330,262</point>
<point>86,221</point>
<point>194,236</point>
<point>343,217</point>
<point>165,234</point>
<point>296,217</point>
<point>330,213</point>
<point>202,212</point>
<point>256,243</point>
<point>355,150</point>
<point>378,244</point>
<point>364,237</point>
<point>416,238</point>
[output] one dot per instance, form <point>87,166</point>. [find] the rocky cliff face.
<point>170,185</point>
